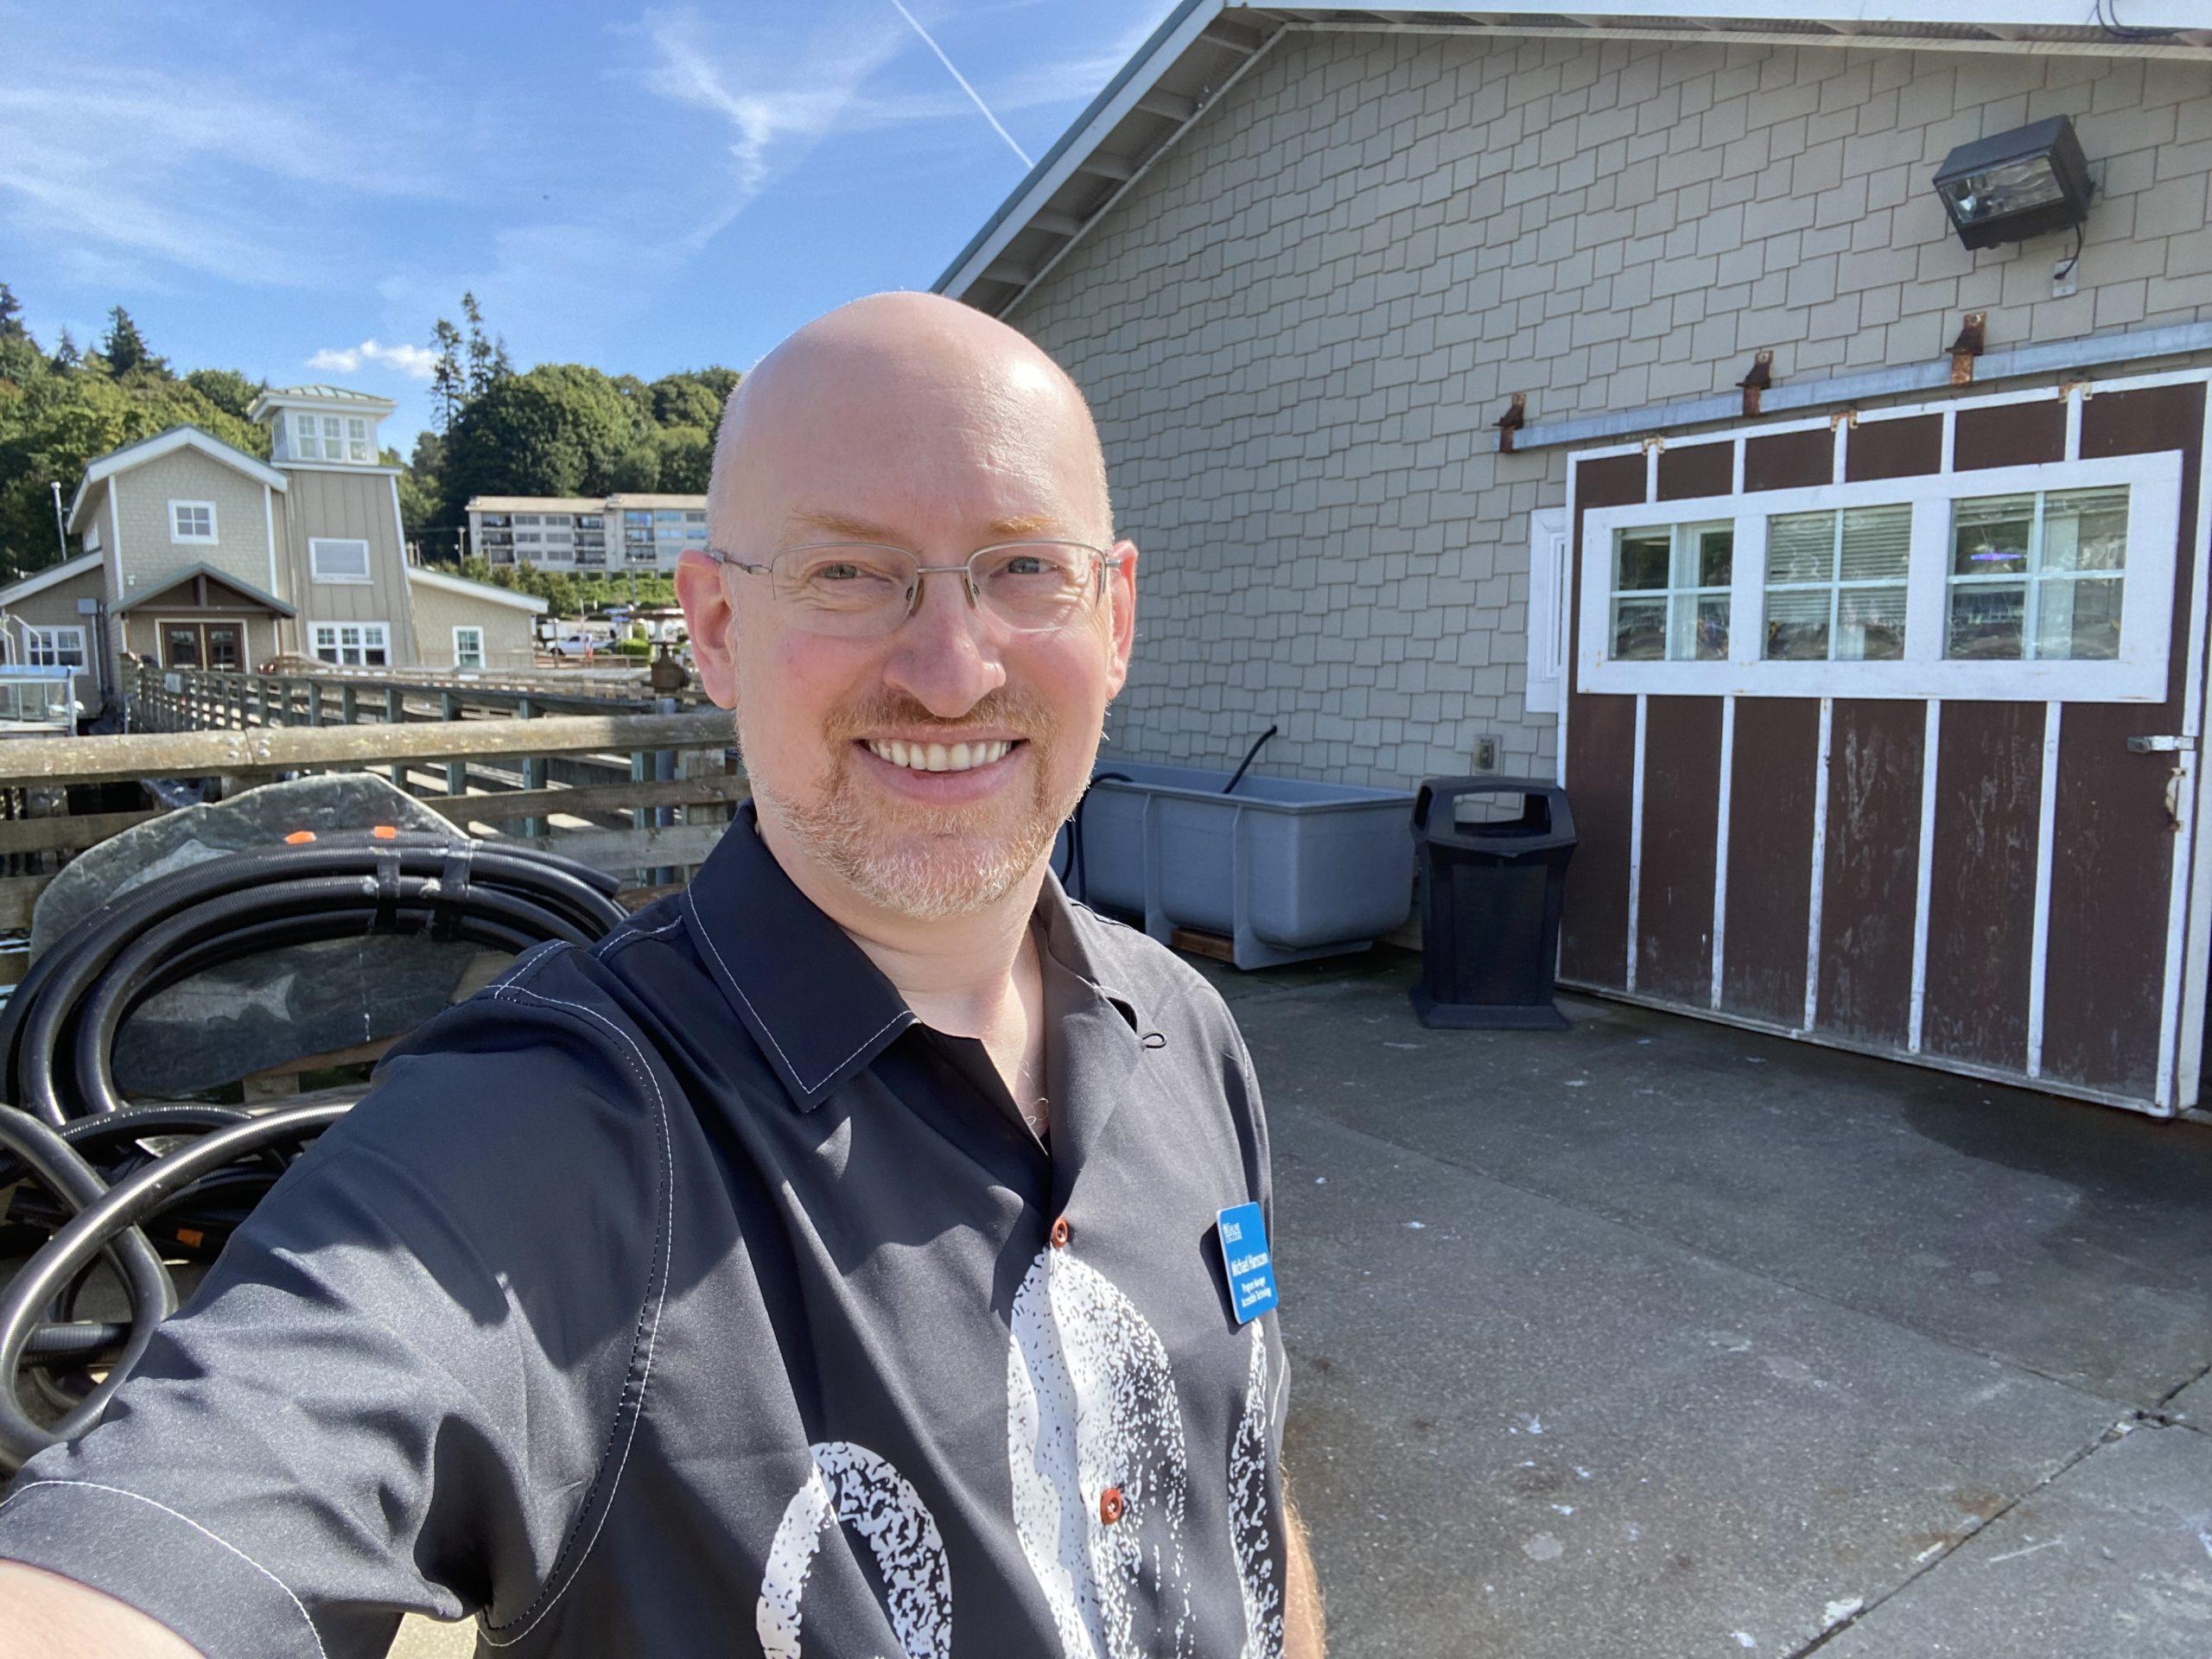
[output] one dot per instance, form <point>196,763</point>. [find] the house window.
<point>1670,587</point>
<point>192,521</point>
<point>1835,584</point>
<point>304,442</point>
<point>353,645</point>
<point>468,647</point>
<point>2038,577</point>
<point>357,439</point>
<point>2044,582</point>
<point>58,647</point>
<point>331,559</point>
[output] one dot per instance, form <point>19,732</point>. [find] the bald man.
<point>863,1252</point>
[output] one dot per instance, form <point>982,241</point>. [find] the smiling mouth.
<point>940,757</point>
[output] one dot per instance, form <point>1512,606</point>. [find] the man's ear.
<point>1122,595</point>
<point>704,595</point>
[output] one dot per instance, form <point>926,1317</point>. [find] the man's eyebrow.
<point>846,526</point>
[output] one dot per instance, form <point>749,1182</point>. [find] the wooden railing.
<point>299,693</point>
<point>645,795</point>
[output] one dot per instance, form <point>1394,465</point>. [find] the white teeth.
<point>937,757</point>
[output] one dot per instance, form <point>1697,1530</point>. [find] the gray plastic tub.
<point>1286,869</point>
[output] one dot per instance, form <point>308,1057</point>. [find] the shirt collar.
<point>817,1007</point>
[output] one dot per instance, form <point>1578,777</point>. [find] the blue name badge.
<point>1243,1234</point>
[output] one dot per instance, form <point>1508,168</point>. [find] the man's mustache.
<point>1020,712</point>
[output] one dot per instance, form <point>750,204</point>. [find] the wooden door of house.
<point>203,644</point>
<point>1882,731</point>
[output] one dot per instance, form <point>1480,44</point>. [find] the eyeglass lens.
<point>860,588</point>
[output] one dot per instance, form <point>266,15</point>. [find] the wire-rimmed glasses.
<point>863,589</point>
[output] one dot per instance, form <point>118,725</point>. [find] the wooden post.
<point>456,771</point>
<point>261,697</point>
<point>395,714</point>
<point>314,703</point>
<point>349,705</point>
<point>535,769</point>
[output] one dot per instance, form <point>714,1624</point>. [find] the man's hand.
<point>1304,1632</point>
<point>44,1616</point>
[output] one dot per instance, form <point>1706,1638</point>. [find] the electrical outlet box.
<point>1485,754</point>
<point>2065,277</point>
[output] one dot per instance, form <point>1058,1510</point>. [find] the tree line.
<point>558,428</point>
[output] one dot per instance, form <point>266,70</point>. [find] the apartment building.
<point>615,532</point>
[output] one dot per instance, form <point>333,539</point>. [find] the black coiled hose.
<point>89,1181</point>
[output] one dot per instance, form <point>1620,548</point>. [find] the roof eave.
<point>1149,112</point>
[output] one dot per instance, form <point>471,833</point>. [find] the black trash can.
<point>1489,905</point>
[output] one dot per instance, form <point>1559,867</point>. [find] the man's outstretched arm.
<point>45,1615</point>
<point>1304,1632</point>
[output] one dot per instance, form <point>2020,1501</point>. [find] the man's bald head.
<point>914,385</point>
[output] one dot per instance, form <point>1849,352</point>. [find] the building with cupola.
<point>198,555</point>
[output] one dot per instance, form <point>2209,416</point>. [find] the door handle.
<point>2161,744</point>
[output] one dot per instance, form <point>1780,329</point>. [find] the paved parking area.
<point>1658,1338</point>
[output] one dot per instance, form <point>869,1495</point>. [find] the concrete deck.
<point>1658,1338</point>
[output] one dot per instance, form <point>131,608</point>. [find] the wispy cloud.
<point>781,97</point>
<point>209,173</point>
<point>776,109</point>
<point>416,362</point>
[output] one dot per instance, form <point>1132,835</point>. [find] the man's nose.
<point>944,656</point>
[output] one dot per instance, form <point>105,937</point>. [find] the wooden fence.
<point>670,780</point>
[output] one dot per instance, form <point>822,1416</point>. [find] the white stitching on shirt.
<point>629,936</point>
<point>809,1087</point>
<point>314,1635</point>
<point>652,1332</point>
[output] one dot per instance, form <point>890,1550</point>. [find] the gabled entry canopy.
<point>203,588</point>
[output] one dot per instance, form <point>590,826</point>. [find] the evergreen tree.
<point>66,355</point>
<point>11,315</point>
<point>448,381</point>
<point>479,348</point>
<point>124,348</point>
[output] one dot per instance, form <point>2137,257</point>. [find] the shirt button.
<point>1060,1233</point>
<point>1109,1505</point>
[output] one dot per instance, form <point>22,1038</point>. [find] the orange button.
<point>1109,1505</point>
<point>299,838</point>
<point>1060,1233</point>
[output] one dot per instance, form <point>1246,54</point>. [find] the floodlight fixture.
<point>2016,185</point>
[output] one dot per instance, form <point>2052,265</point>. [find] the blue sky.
<point>299,192</point>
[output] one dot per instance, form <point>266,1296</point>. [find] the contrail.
<point>964,86</point>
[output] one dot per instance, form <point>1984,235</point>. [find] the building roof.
<point>632,498</point>
<point>317,397</point>
<point>1205,46</point>
<point>167,443</point>
<point>441,582</point>
<point>536,504</point>
<point>165,594</point>
<point>39,582</point>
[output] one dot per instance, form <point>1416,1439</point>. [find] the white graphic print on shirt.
<point>852,1485</point>
<point>1249,1513</point>
<point>1091,1422</point>
<point>1091,1412</point>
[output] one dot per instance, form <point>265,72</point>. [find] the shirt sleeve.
<point>394,1390</point>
